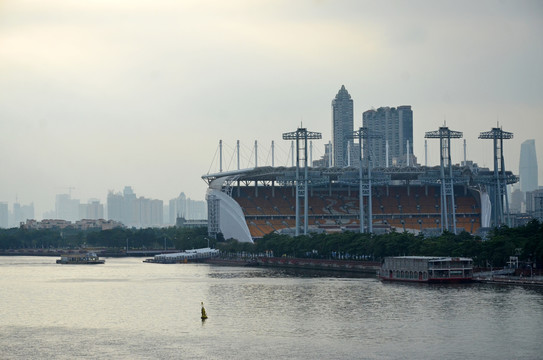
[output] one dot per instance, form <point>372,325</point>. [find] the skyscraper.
<point>395,125</point>
<point>21,213</point>
<point>66,208</point>
<point>528,166</point>
<point>342,125</point>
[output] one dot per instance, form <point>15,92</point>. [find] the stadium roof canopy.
<point>425,174</point>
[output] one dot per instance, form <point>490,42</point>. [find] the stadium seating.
<point>414,208</point>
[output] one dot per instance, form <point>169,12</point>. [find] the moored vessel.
<point>427,269</point>
<point>89,258</point>
<point>193,255</point>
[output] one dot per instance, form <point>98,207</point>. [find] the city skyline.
<point>151,212</point>
<point>98,95</point>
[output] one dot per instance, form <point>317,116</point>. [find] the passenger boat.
<point>427,269</point>
<point>193,255</point>
<point>80,259</point>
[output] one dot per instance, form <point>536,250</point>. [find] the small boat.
<point>80,259</point>
<point>427,269</point>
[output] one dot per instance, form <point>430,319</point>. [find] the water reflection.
<point>127,309</point>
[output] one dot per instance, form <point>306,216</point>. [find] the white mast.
<point>310,152</point>
<point>292,151</point>
<point>329,154</point>
<point>273,154</point>
<point>386,153</point>
<point>220,155</point>
<point>407,151</point>
<point>349,153</point>
<point>426,153</point>
<point>256,154</point>
<point>238,152</point>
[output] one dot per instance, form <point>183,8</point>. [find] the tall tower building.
<point>528,166</point>
<point>395,125</point>
<point>342,126</point>
<point>114,206</point>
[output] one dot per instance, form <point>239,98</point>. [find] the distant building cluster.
<point>19,214</point>
<point>84,224</point>
<point>183,207</point>
<point>390,143</point>
<point>122,209</point>
<point>528,199</point>
<point>71,209</point>
<point>134,211</point>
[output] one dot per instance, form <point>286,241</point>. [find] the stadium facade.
<point>384,183</point>
<point>250,203</point>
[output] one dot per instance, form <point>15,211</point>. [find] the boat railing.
<point>456,265</point>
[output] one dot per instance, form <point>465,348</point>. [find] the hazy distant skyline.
<point>98,95</point>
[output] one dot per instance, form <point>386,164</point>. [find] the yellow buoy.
<point>204,314</point>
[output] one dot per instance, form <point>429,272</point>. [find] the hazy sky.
<point>97,95</point>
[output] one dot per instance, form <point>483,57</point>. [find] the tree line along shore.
<point>524,242</point>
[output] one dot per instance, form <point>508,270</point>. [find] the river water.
<point>127,309</point>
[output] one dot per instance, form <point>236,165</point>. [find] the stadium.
<point>247,204</point>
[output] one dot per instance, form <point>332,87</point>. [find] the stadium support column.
<point>500,180</point>
<point>301,135</point>
<point>213,215</point>
<point>364,185</point>
<point>446,178</point>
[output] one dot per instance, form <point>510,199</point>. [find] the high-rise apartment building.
<point>342,126</point>
<point>178,208</point>
<point>21,213</point>
<point>395,125</point>
<point>115,206</point>
<point>93,210</point>
<point>134,211</point>
<point>66,208</point>
<point>534,203</point>
<point>528,166</point>
<point>183,207</point>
